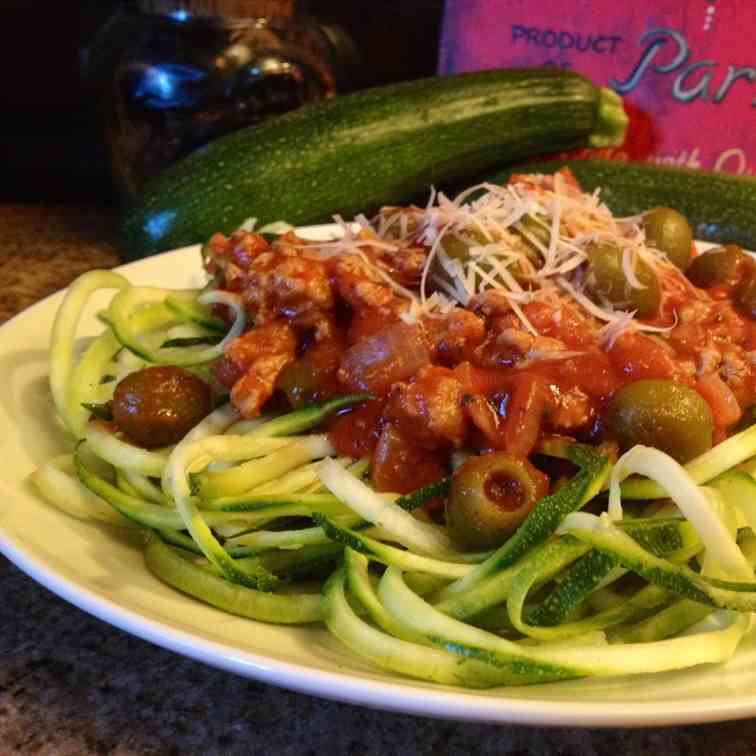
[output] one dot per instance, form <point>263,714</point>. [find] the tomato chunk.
<point>428,409</point>
<point>638,357</point>
<point>355,433</point>
<point>401,466</point>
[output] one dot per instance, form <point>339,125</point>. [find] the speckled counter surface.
<point>71,685</point>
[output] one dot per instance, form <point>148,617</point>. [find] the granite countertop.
<point>70,684</point>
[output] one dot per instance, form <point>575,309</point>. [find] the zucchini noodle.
<point>237,509</point>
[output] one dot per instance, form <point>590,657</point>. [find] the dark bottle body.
<point>168,85</point>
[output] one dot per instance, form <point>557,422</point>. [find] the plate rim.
<point>435,701</point>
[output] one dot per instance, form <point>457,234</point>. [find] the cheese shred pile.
<point>529,240</point>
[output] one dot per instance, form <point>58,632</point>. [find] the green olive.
<point>491,495</point>
<point>607,280</point>
<point>536,227</point>
<point>397,228</point>
<point>532,227</point>
<point>456,246</point>
<point>666,415</point>
<point>669,231</point>
<point>716,266</point>
<point>159,405</point>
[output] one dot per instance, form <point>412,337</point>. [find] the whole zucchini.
<point>378,146</point>
<point>720,207</point>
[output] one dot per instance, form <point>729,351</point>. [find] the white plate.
<point>102,572</point>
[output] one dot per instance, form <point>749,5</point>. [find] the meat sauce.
<point>467,378</point>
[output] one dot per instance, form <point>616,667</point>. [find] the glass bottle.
<point>175,74</point>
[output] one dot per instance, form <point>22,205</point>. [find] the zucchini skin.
<point>720,207</point>
<point>359,151</point>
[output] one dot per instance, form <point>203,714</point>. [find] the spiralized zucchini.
<point>239,509</point>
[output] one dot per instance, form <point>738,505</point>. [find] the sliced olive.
<point>531,228</point>
<point>663,414</point>
<point>607,281</point>
<point>159,405</point>
<point>716,266</point>
<point>669,231</point>
<point>490,496</point>
<point>399,228</point>
<point>456,246</point>
<point>534,227</point>
<point>312,377</point>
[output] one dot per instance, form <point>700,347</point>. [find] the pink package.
<point>685,68</point>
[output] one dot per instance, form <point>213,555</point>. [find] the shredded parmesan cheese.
<point>503,254</point>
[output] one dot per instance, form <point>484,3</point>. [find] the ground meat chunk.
<point>454,335</point>
<point>566,176</point>
<point>726,325</point>
<point>290,285</point>
<point>508,343</point>
<point>372,301</point>
<point>569,410</point>
<point>362,289</point>
<point>735,364</point>
<point>252,363</point>
<point>428,409</point>
<point>694,311</point>
<point>233,256</point>
<point>560,321</point>
<point>404,261</point>
<point>490,304</point>
<point>709,360</point>
<point>406,264</point>
<point>737,372</point>
<point>244,248</point>
<point>688,338</point>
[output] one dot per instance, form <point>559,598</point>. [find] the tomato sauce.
<point>399,465</point>
<point>486,376</point>
<point>355,432</point>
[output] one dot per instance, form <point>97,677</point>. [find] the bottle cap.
<point>224,9</point>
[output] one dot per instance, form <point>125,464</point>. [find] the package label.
<point>685,68</point>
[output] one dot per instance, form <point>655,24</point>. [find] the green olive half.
<point>669,231</point>
<point>716,266</point>
<point>663,414</point>
<point>534,227</point>
<point>491,495</point>
<point>607,280</point>
<point>456,246</point>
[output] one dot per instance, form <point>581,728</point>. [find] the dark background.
<point>50,137</point>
